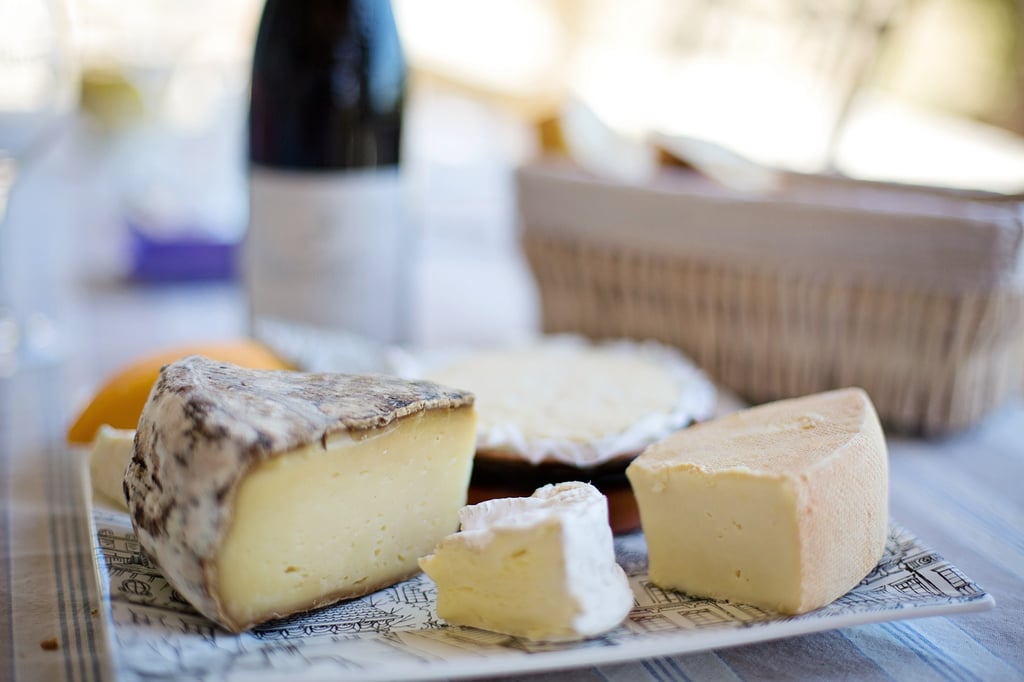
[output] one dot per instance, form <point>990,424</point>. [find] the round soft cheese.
<point>562,400</point>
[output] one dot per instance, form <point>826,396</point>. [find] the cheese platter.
<point>395,633</point>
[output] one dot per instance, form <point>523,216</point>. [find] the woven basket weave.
<point>921,304</point>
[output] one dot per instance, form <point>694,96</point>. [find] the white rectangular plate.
<point>395,633</point>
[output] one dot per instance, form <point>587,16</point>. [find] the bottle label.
<point>329,249</point>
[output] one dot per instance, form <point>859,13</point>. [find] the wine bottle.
<point>325,244</point>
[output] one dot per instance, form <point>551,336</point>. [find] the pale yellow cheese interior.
<point>108,459</point>
<point>741,539</point>
<point>783,506</point>
<point>517,586</point>
<point>316,525</point>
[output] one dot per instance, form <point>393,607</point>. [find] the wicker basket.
<point>915,295</point>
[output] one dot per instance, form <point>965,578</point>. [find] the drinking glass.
<point>38,86</point>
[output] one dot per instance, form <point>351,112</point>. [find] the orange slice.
<point>119,401</point>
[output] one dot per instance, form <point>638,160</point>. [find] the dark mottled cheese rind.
<point>207,423</point>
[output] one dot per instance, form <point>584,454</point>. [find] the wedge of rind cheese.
<point>540,567</point>
<point>264,493</point>
<point>783,506</point>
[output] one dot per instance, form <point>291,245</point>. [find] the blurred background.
<point>915,90</point>
<point>775,79</point>
<point>928,91</point>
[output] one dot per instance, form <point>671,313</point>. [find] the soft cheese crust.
<point>541,567</point>
<point>207,423</point>
<point>564,400</point>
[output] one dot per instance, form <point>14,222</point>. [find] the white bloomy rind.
<point>540,567</point>
<point>569,401</point>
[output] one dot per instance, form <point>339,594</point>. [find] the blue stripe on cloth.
<point>979,536</point>
<point>1004,521</point>
<point>59,559</point>
<point>64,539</point>
<point>656,671</point>
<point>68,533</point>
<point>679,673</point>
<point>1017,671</point>
<point>705,666</point>
<point>957,642</point>
<point>620,672</point>
<point>824,655</point>
<point>77,533</point>
<point>880,648</point>
<point>7,569</point>
<point>928,652</point>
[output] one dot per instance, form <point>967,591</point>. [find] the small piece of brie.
<point>783,506</point>
<point>540,567</point>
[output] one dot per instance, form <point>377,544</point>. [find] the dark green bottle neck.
<point>327,86</point>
